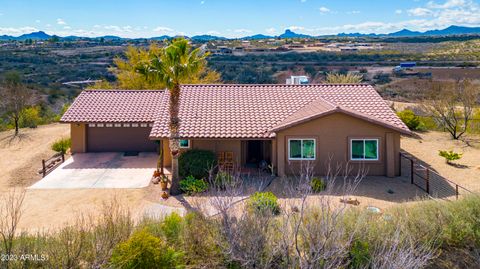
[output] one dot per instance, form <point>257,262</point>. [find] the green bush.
<point>359,254</point>
<point>223,179</point>
<point>264,202</point>
<point>190,185</point>
<point>318,184</point>
<point>450,155</point>
<point>171,227</point>
<point>412,121</point>
<point>143,250</point>
<point>196,163</point>
<point>30,117</point>
<point>62,145</point>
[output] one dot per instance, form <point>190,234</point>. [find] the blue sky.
<point>231,18</point>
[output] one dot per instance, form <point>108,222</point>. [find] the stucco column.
<point>274,155</point>
<point>390,154</point>
<point>281,154</point>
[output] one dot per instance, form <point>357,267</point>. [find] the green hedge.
<point>196,163</point>
<point>264,202</point>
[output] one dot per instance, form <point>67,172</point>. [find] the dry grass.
<point>426,146</point>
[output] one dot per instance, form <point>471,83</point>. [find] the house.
<point>284,125</point>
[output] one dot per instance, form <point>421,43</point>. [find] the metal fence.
<point>425,178</point>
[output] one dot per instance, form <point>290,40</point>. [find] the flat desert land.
<point>466,172</point>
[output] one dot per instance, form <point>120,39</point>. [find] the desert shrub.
<point>450,155</point>
<point>318,184</point>
<point>30,117</point>
<point>190,185</point>
<point>359,254</point>
<point>201,240</point>
<point>264,202</point>
<point>62,145</point>
<point>412,121</point>
<point>171,227</point>
<point>143,250</point>
<point>196,162</point>
<point>223,179</point>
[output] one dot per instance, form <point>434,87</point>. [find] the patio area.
<point>111,170</point>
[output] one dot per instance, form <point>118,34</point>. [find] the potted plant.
<point>164,182</point>
<point>165,195</point>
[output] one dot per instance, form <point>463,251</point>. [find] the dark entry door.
<point>254,151</point>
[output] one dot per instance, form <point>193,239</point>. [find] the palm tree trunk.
<point>15,121</point>
<point>174,134</point>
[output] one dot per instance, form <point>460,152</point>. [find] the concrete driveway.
<point>101,171</point>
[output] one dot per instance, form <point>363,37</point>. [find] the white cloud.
<point>242,31</point>
<point>271,31</point>
<point>202,2</point>
<point>295,28</point>
<point>353,12</point>
<point>419,12</point>
<point>17,31</point>
<point>398,11</point>
<point>163,30</point>
<point>324,10</point>
<point>67,27</point>
<point>447,4</point>
<point>37,21</point>
<point>303,1</point>
<point>212,32</point>
<point>61,21</point>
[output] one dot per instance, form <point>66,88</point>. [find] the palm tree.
<point>348,78</point>
<point>171,66</point>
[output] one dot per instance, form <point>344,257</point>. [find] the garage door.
<point>114,139</point>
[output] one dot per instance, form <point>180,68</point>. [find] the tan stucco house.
<point>283,125</point>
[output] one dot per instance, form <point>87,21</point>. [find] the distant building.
<point>408,64</point>
<point>297,80</point>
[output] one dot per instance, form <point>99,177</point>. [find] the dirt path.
<point>427,145</point>
<point>20,157</point>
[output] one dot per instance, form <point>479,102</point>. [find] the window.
<point>364,149</point>
<point>184,143</point>
<point>301,149</point>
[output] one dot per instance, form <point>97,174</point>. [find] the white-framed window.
<point>184,143</point>
<point>100,124</point>
<point>108,125</point>
<point>91,125</point>
<point>301,149</point>
<point>117,125</point>
<point>143,124</point>
<point>364,149</point>
<point>126,125</point>
<point>134,124</point>
<point>150,125</point>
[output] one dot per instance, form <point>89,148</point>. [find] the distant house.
<point>282,125</point>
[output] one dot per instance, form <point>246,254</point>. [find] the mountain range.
<point>452,30</point>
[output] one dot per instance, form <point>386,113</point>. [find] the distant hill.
<point>207,37</point>
<point>452,30</point>
<point>259,36</point>
<point>289,34</point>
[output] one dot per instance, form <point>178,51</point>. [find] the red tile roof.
<point>114,106</point>
<point>234,111</point>
<point>256,111</point>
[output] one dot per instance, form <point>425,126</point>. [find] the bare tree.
<point>10,215</point>
<point>320,240</point>
<point>452,105</point>
<point>15,97</point>
<point>248,235</point>
<point>401,251</point>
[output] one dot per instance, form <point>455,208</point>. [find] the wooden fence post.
<point>456,191</point>
<point>428,181</point>
<point>44,171</point>
<point>63,158</point>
